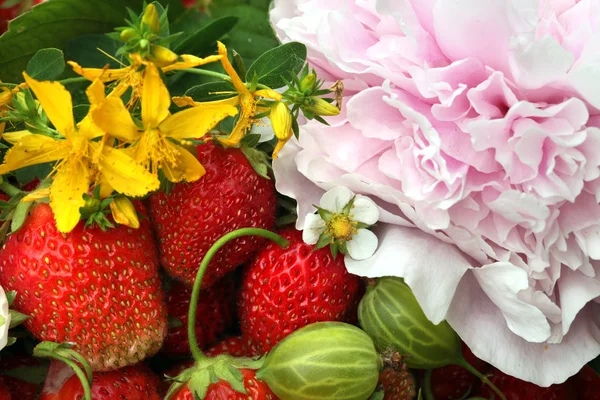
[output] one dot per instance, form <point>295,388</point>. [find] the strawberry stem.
<point>196,352</point>
<point>427,386</point>
<point>9,189</point>
<point>465,364</point>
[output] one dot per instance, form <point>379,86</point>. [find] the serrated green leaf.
<point>46,65</point>
<point>207,91</point>
<point>287,59</point>
<point>202,42</point>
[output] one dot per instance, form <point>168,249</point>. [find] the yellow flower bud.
<point>124,213</point>
<point>308,82</point>
<point>127,34</point>
<point>163,56</point>
<point>281,120</point>
<point>322,108</point>
<point>150,18</point>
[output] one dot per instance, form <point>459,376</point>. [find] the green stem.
<point>10,85</point>
<point>87,389</point>
<point>196,352</point>
<point>465,364</point>
<point>73,80</point>
<point>427,386</point>
<point>9,189</point>
<point>83,362</point>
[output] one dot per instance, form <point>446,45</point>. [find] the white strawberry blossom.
<point>348,217</point>
<point>4,319</point>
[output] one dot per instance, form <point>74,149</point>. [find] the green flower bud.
<point>150,18</point>
<point>308,83</point>
<point>318,106</point>
<point>128,34</point>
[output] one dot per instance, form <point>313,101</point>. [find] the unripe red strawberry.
<point>195,215</point>
<point>286,289</point>
<point>216,313</point>
<point>98,289</point>
<point>137,382</point>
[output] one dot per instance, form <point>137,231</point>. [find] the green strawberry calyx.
<point>208,370</point>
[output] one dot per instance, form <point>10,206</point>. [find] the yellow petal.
<point>123,174</point>
<point>238,132</point>
<point>105,75</point>
<point>190,61</point>
<point>95,92</point>
<point>34,149</point>
<point>71,181</point>
<point>105,188</point>
<point>112,117</point>
<point>195,122</point>
<point>183,101</point>
<point>281,143</point>
<point>56,102</point>
<point>88,129</point>
<point>124,213</point>
<point>155,98</point>
<point>235,79</point>
<point>37,195</point>
<point>281,120</point>
<point>269,93</point>
<point>185,168</point>
<point>15,137</point>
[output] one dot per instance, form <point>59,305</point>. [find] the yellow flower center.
<point>340,227</point>
<point>153,151</point>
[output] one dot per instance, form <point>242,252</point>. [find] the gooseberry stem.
<point>427,386</point>
<point>196,352</point>
<point>199,71</point>
<point>465,364</point>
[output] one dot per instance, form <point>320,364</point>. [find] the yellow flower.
<point>80,159</point>
<point>281,121</point>
<point>157,145</point>
<point>246,100</point>
<point>6,96</point>
<point>133,75</point>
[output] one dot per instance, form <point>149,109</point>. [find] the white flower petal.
<point>576,290</point>
<point>336,199</point>
<point>362,245</point>
<point>4,312</point>
<point>365,210</point>
<point>313,227</point>
<point>427,264</point>
<point>481,326</point>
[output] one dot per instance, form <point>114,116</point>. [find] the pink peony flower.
<point>475,127</point>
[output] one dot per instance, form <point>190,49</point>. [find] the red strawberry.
<point>194,216</point>
<point>22,374</point>
<point>215,314</point>
<point>6,14</point>
<point>453,382</point>
<point>516,389</point>
<point>100,290</point>
<point>397,385</point>
<point>234,346</point>
<point>588,383</point>
<point>257,390</point>
<point>137,382</point>
<point>4,392</point>
<point>286,289</point>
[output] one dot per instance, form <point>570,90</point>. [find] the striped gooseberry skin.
<point>323,361</point>
<point>393,318</point>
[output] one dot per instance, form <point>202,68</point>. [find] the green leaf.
<point>16,318</point>
<point>11,296</point>
<point>202,42</point>
<point>46,65</point>
<point>285,60</point>
<point>34,374</point>
<point>53,24</point>
<point>86,51</point>
<point>206,91</point>
<point>250,140</point>
<point>20,215</point>
<point>258,160</point>
<point>28,174</point>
